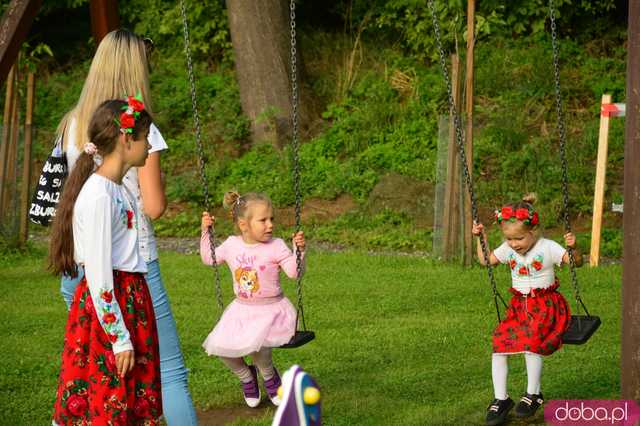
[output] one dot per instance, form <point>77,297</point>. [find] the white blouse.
<point>146,237</point>
<point>105,238</point>
<point>536,268</point>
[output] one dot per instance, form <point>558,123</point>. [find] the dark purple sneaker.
<point>272,384</point>
<point>251,390</point>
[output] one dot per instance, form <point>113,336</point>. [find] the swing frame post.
<point>104,18</point>
<point>598,195</point>
<point>451,220</point>
<point>471,41</point>
<point>26,161</point>
<point>630,361</point>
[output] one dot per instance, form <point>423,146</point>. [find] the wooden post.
<point>451,219</point>
<point>468,219</point>
<point>598,195</point>
<point>630,351</point>
<point>14,28</point>
<point>6,126</point>
<point>104,18</point>
<point>12,154</point>
<point>26,163</point>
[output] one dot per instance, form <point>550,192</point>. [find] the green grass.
<point>400,339</point>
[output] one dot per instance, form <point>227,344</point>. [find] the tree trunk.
<point>260,33</point>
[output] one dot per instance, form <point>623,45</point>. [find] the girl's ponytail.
<point>61,243</point>
<point>104,131</point>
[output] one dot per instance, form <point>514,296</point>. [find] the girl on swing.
<point>537,315</point>
<point>260,318</point>
<point>110,371</point>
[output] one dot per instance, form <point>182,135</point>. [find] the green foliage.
<point>412,20</point>
<point>162,21</point>
<point>375,125</point>
<point>386,230</point>
<point>516,146</point>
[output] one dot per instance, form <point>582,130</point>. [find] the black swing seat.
<point>581,327</point>
<point>299,339</point>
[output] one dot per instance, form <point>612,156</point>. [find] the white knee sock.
<point>499,370</point>
<point>534,372</point>
<point>238,367</point>
<point>263,360</point>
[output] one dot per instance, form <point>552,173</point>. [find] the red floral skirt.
<point>90,392</point>
<point>534,322</point>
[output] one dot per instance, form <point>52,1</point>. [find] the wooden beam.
<point>6,133</point>
<point>12,157</point>
<point>451,215</point>
<point>14,28</point>
<point>630,351</point>
<point>104,18</point>
<point>26,163</point>
<point>598,195</point>
<point>468,219</point>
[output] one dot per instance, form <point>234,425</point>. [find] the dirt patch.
<point>317,210</point>
<point>227,415</point>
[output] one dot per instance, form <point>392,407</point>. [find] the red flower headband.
<point>130,113</point>
<point>527,216</point>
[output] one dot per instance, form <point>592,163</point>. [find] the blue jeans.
<point>176,399</point>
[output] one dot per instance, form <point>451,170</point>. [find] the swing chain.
<point>461,152</point>
<point>563,158</point>
<point>200,150</point>
<point>296,156</point>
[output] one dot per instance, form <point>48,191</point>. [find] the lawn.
<point>400,339</point>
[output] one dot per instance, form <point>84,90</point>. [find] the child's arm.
<point>98,269</point>
<point>478,231</point>
<point>570,242</point>
<point>287,259</point>
<point>205,245</point>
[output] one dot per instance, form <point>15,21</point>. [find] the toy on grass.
<point>300,400</point>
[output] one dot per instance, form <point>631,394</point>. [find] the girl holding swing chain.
<point>537,315</point>
<point>260,318</point>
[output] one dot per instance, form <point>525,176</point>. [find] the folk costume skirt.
<point>534,322</point>
<point>90,392</point>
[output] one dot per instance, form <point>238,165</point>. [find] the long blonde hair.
<point>118,69</point>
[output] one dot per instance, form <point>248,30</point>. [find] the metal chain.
<point>295,153</point>
<point>563,157</point>
<point>200,150</point>
<point>462,154</point>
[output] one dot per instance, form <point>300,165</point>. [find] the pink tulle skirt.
<point>246,328</point>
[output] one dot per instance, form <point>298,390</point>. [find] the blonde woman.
<point>120,66</point>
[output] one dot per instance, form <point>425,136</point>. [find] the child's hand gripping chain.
<point>260,318</point>
<point>538,315</point>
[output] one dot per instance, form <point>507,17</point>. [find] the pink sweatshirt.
<point>255,267</point>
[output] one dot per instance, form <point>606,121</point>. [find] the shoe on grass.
<point>251,390</point>
<point>272,384</point>
<point>529,404</point>
<point>498,410</point>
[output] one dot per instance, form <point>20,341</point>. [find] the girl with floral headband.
<point>537,315</point>
<point>110,360</point>
<point>260,317</point>
<point>119,66</point>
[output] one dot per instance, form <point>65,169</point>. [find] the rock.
<point>403,194</point>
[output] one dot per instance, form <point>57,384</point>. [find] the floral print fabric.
<point>89,390</point>
<point>534,323</point>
